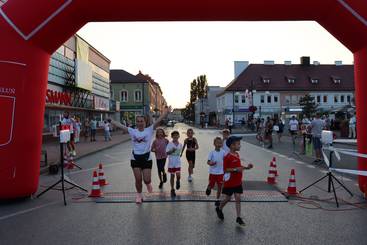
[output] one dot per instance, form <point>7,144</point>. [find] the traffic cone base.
<point>101,177</point>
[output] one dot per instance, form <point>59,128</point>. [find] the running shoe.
<point>160,185</point>
<point>189,179</point>
<point>138,198</point>
<point>74,153</point>
<point>178,185</point>
<point>208,191</point>
<point>164,178</point>
<point>219,213</point>
<point>173,193</point>
<point>150,187</point>
<point>240,221</point>
<point>217,203</point>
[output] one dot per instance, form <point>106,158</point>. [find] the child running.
<point>174,150</point>
<point>215,161</point>
<point>233,178</point>
<point>192,145</point>
<point>226,135</point>
<point>159,148</point>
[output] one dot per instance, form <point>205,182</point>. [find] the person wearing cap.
<point>233,178</point>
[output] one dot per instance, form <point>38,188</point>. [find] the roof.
<point>146,77</point>
<point>279,75</point>
<point>121,76</point>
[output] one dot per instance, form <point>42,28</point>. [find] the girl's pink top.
<point>159,145</point>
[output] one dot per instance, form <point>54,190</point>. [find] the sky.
<point>175,53</point>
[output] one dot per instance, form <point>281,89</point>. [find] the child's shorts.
<point>229,191</point>
<point>174,170</point>
<point>215,179</point>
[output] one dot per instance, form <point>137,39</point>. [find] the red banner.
<point>61,98</point>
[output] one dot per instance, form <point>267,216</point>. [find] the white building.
<point>208,106</point>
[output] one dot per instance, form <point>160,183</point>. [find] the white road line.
<point>310,166</point>
<point>299,162</point>
<point>90,169</point>
<point>290,159</point>
<point>27,210</point>
<point>324,171</point>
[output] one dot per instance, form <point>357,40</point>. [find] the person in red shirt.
<point>233,178</point>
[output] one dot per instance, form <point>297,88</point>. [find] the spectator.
<point>107,133</point>
<point>279,128</point>
<point>269,132</point>
<point>93,129</point>
<point>352,126</point>
<point>67,121</point>
<point>77,129</point>
<point>86,129</point>
<point>317,125</point>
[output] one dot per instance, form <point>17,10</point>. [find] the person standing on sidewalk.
<point>86,129</point>
<point>107,132</point>
<point>141,161</point>
<point>67,121</point>
<point>269,132</point>
<point>93,129</point>
<point>352,127</point>
<point>317,125</point>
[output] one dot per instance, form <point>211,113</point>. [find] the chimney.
<point>268,62</point>
<point>305,60</point>
<point>316,63</point>
<point>239,67</point>
<point>287,62</point>
<point>338,63</point>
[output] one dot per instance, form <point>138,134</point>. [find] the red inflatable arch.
<point>31,30</point>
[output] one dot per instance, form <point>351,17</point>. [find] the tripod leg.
<point>76,165</point>
<point>49,188</point>
<point>329,183</point>
<point>336,198</point>
<point>75,185</point>
<point>345,188</point>
<point>314,183</point>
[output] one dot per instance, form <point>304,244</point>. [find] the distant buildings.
<point>206,109</point>
<point>277,89</point>
<point>137,94</point>
<point>176,115</point>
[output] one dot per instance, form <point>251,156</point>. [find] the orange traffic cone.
<point>292,189</point>
<point>271,175</point>
<point>96,190</point>
<point>275,169</point>
<point>275,166</point>
<point>101,177</point>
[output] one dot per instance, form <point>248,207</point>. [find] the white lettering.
<point>7,90</point>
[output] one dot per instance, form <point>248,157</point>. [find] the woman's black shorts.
<point>190,157</point>
<point>142,164</point>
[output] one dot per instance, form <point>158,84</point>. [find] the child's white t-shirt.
<point>225,148</point>
<point>217,157</point>
<point>174,159</point>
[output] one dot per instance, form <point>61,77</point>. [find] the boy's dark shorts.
<point>229,191</point>
<point>142,164</point>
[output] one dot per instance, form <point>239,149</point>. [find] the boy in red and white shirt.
<point>215,161</point>
<point>233,178</point>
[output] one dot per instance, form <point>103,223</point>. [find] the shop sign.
<point>60,98</point>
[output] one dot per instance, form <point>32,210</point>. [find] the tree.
<point>308,105</point>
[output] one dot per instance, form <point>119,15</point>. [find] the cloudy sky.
<point>175,53</point>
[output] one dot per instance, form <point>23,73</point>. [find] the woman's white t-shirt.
<point>225,148</point>
<point>141,140</point>
<point>217,157</point>
<point>174,159</point>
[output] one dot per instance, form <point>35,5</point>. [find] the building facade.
<point>79,82</point>
<point>207,109</point>
<point>276,89</point>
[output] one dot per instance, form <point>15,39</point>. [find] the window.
<point>262,99</point>
<point>337,80</point>
<point>295,99</point>
<point>318,99</point>
<point>336,99</point>
<point>287,100</point>
<point>325,99</point>
<point>236,99</point>
<point>243,99</point>
<point>314,80</point>
<point>266,80</point>
<point>291,80</point>
<point>348,98</point>
<point>269,99</point>
<point>123,96</point>
<point>69,53</point>
<point>275,99</point>
<point>342,99</point>
<point>138,96</point>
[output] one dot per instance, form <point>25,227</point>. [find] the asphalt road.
<point>47,221</point>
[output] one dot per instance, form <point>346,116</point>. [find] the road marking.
<point>90,169</point>
<point>324,171</point>
<point>310,166</point>
<point>299,162</point>
<point>27,210</point>
<point>290,159</point>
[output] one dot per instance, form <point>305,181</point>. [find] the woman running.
<point>141,161</point>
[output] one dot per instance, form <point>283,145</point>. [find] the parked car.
<point>170,124</point>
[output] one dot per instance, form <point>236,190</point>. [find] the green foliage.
<point>308,105</point>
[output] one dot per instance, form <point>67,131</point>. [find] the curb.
<point>44,170</point>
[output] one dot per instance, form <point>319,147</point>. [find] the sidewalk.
<point>83,148</point>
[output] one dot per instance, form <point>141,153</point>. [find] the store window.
<point>287,100</point>
<point>262,99</point>
<point>138,96</point>
<point>124,96</point>
<point>269,99</point>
